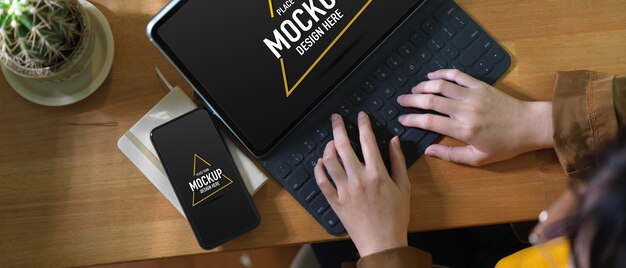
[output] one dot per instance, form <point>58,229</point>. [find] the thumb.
<point>467,155</point>
<point>399,172</point>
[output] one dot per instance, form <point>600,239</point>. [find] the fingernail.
<point>319,160</point>
<point>399,98</point>
<point>532,238</point>
<point>397,142</point>
<point>543,216</point>
<point>401,118</point>
<point>333,116</point>
<point>429,75</point>
<point>361,115</point>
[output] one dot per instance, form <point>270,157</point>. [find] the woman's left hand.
<point>373,206</point>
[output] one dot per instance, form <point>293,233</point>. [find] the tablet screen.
<point>263,65</point>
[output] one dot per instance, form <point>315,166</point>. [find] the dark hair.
<point>601,218</point>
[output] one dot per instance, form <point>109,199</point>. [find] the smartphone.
<point>206,181</point>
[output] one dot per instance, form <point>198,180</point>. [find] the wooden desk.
<point>68,196</point>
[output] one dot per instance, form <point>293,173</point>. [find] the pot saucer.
<point>84,83</point>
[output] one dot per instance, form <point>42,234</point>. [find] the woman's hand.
<point>373,206</point>
<point>495,126</point>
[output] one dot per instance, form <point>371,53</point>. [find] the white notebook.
<point>136,145</point>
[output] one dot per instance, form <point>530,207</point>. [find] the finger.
<point>440,124</point>
<point>442,87</point>
<point>371,154</point>
<point>331,162</point>
<point>431,102</point>
<point>324,183</point>
<point>342,144</point>
<point>399,171</point>
<point>467,155</point>
<point>457,76</point>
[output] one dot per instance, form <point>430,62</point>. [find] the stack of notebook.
<point>136,145</point>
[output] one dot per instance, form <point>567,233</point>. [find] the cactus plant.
<point>36,34</point>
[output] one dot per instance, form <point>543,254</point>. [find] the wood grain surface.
<point>69,197</point>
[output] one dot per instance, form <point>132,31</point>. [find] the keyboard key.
<point>344,109</point>
<point>320,150</point>
<point>447,32</point>
<point>320,204</point>
<point>444,13</point>
<point>466,37</point>
<point>282,170</point>
<point>297,179</point>
<point>396,129</point>
<point>378,125</point>
<point>495,55</point>
<point>405,50</point>
<point>413,135</point>
<point>473,53</point>
<point>449,53</point>
<point>330,218</point>
<point>435,44</point>
<point>295,158</point>
<point>483,67</point>
<point>390,112</point>
<point>309,191</point>
<point>405,110</point>
<point>399,80</point>
<point>369,85</point>
<point>382,73</point>
<point>411,67</point>
<point>311,162</point>
<point>471,72</point>
<point>456,65</point>
<point>387,92</point>
<point>351,129</point>
<point>438,63</point>
<point>459,20</point>
<point>417,38</point>
<point>307,146</point>
<point>374,104</point>
<point>353,117</point>
<point>321,133</point>
<point>424,56</point>
<point>429,26</point>
<point>356,97</point>
<point>383,138</point>
<point>393,62</point>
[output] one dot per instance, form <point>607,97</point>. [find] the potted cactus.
<point>44,38</point>
<point>45,44</point>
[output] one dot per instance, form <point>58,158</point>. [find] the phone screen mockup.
<point>205,179</point>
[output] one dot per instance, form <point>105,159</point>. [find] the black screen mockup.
<point>264,64</point>
<point>206,181</point>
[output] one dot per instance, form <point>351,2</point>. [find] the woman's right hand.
<point>495,126</point>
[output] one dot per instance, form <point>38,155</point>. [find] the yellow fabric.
<point>554,254</point>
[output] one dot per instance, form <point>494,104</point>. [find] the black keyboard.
<point>437,35</point>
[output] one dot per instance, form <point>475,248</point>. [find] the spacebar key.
<point>409,141</point>
<point>413,135</point>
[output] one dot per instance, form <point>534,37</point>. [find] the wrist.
<point>380,246</point>
<point>539,130</point>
